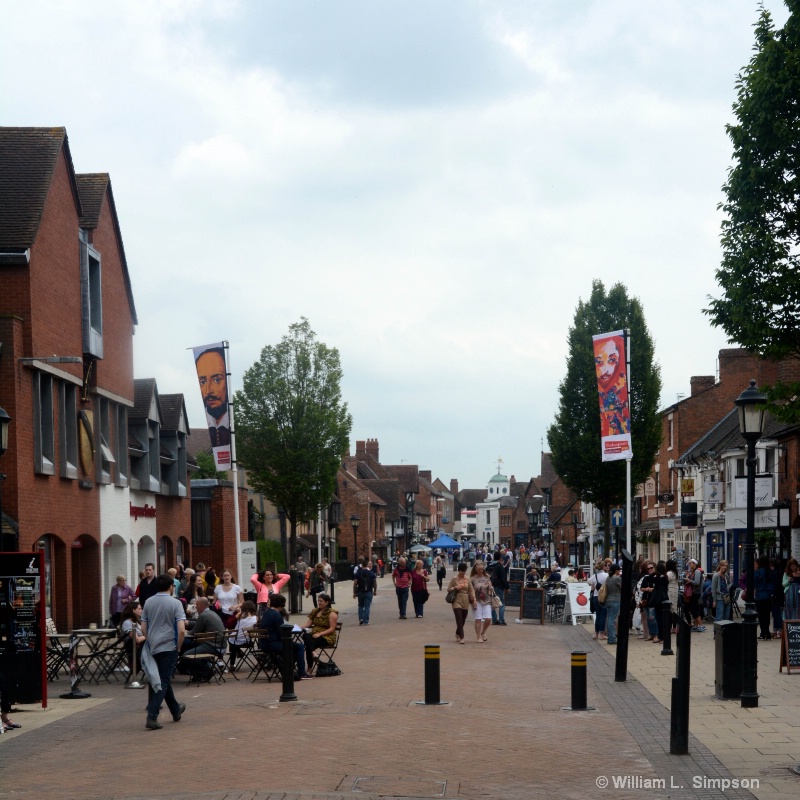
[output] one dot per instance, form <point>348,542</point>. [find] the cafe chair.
<point>57,655</point>
<point>325,654</point>
<point>263,661</point>
<point>557,604</point>
<point>107,655</point>
<point>205,667</point>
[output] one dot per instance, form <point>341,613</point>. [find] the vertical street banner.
<point>212,374</point>
<point>612,388</point>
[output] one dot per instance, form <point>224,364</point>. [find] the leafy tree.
<point>206,468</point>
<point>760,270</point>
<point>291,425</point>
<point>574,437</point>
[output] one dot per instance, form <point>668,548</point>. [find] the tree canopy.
<point>292,427</point>
<point>574,437</point>
<point>760,270</point>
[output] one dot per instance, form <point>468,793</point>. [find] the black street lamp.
<point>409,519</point>
<point>5,423</point>
<point>750,404</point>
<point>355,521</point>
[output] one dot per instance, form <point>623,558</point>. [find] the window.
<point>121,446</point>
<point>105,458</point>
<point>671,433</point>
<point>67,431</point>
<point>488,517</point>
<point>43,435</point>
<point>91,298</point>
<point>201,520</point>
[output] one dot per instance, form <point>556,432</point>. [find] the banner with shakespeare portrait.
<point>212,374</point>
<point>612,387</point>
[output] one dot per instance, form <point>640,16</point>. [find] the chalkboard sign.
<point>516,574</point>
<point>532,605</point>
<point>514,593</point>
<point>790,645</point>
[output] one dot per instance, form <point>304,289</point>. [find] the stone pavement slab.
<point>503,733</point>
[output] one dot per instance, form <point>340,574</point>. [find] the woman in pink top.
<point>264,585</point>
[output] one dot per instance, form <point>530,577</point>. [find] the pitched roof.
<point>198,441</point>
<point>172,406</point>
<point>28,158</point>
<point>93,188</point>
<point>143,391</point>
<point>469,498</point>
<point>407,474</point>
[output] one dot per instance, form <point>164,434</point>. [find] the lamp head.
<point>750,405</point>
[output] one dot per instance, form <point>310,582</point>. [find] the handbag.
<point>602,594</point>
<point>496,602</point>
<point>450,597</point>
<point>688,591</point>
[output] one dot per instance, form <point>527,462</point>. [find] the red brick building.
<point>67,318</point>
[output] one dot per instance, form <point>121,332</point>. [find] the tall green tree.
<point>574,437</point>
<point>760,270</point>
<point>292,428</point>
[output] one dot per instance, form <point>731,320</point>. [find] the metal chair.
<point>325,654</point>
<point>735,610</point>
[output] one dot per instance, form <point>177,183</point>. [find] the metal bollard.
<point>679,711</point>
<point>666,626</point>
<point>287,664</point>
<point>579,672</point>
<point>432,670</point>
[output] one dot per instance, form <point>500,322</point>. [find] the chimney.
<point>454,486</point>
<point>361,448</point>
<point>372,449</point>
<point>426,474</point>
<point>700,383</point>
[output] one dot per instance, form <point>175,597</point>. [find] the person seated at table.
<point>190,595</point>
<point>322,623</point>
<point>271,621</point>
<point>554,576</point>
<point>532,579</point>
<point>207,621</point>
<point>246,619</point>
<point>131,631</point>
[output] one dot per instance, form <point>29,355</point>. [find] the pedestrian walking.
<point>401,578</point>
<point>163,624</point>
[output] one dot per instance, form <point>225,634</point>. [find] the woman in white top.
<point>239,640</point>
<point>229,596</point>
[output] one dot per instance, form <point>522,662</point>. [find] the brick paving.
<point>503,733</point>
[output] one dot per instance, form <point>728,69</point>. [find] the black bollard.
<point>679,712</point>
<point>333,583</point>
<point>578,680</point>
<point>287,664</point>
<point>432,668</point>
<point>432,674</point>
<point>579,673</point>
<point>666,625</point>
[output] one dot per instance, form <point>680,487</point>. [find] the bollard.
<point>679,711</point>
<point>579,672</point>
<point>578,680</point>
<point>287,664</point>
<point>666,626</point>
<point>294,607</point>
<point>432,669</point>
<point>332,591</point>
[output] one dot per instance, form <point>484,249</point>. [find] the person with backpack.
<point>499,577</point>
<point>599,577</point>
<point>365,587</point>
<point>401,578</point>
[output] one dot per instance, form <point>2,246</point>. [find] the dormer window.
<point>91,298</point>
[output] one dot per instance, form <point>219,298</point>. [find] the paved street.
<point>503,733</point>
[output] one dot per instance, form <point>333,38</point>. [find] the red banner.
<point>612,388</point>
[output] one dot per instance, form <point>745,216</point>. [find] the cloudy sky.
<point>434,184</point>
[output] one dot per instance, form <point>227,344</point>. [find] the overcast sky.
<point>434,184</point>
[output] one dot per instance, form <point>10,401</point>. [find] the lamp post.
<point>750,404</point>
<point>355,520</point>
<point>5,422</point>
<point>409,519</point>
